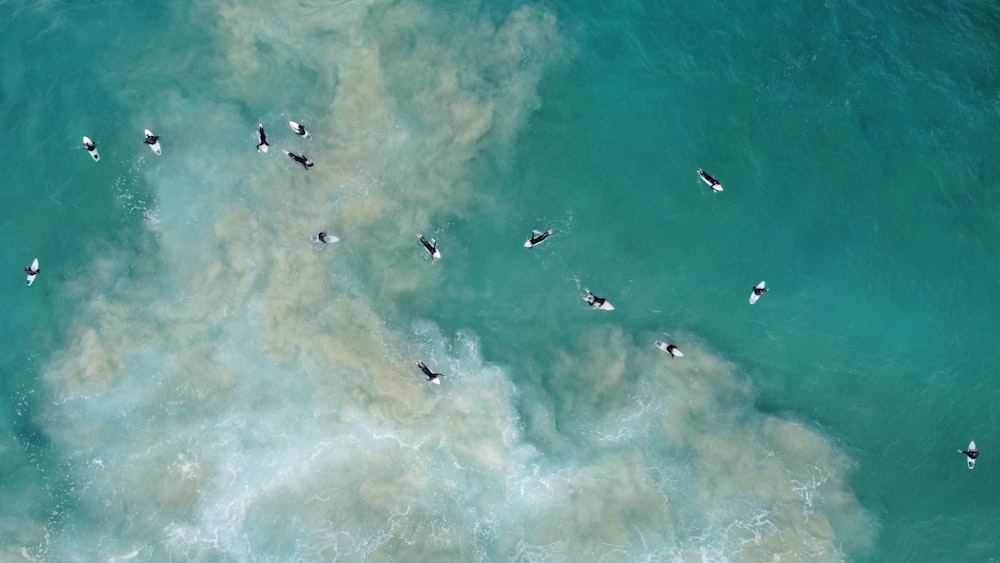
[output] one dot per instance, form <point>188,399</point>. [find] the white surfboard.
<point>670,349</point>
<point>972,461</point>
<point>753,295</point>
<point>34,268</point>
<point>299,129</point>
<point>93,152</point>
<point>155,147</point>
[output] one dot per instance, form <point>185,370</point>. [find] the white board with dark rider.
<point>153,141</point>
<point>598,302</point>
<point>32,271</point>
<point>971,454</point>
<point>757,291</point>
<point>537,237</point>
<point>91,147</point>
<point>670,349</point>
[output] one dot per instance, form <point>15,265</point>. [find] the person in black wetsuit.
<point>301,159</point>
<point>300,130</point>
<point>151,139</point>
<point>537,237</point>
<point>30,272</point>
<point>431,376</point>
<point>594,300</point>
<point>261,137</point>
<point>973,454</point>
<point>430,246</point>
<point>759,290</point>
<point>712,182</point>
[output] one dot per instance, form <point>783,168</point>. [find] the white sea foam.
<point>249,398</point>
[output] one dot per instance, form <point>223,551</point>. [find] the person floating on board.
<point>432,246</point>
<point>594,300</point>
<point>301,159</point>
<point>712,182</point>
<point>31,272</point>
<point>262,146</point>
<point>431,376</point>
<point>299,129</point>
<point>151,139</point>
<point>537,237</point>
<point>326,238</point>
<point>973,454</point>
<point>759,290</point>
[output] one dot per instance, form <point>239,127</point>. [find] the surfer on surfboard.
<point>973,453</point>
<point>91,147</point>
<point>537,237</point>
<point>153,141</point>
<point>301,159</point>
<point>712,182</point>
<point>670,349</point>
<point>594,301</point>
<point>262,146</point>
<point>299,129</point>
<point>432,246</point>
<point>326,238</point>
<point>32,271</point>
<point>431,376</point>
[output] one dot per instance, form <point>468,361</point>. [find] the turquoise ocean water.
<point>191,378</point>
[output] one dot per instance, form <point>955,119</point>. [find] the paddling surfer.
<point>537,237</point>
<point>430,246</point>
<point>301,159</point>
<point>712,182</point>
<point>299,129</point>
<point>262,146</point>
<point>431,376</point>
<point>594,300</point>
<point>973,453</point>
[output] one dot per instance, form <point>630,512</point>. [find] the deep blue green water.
<point>192,378</point>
